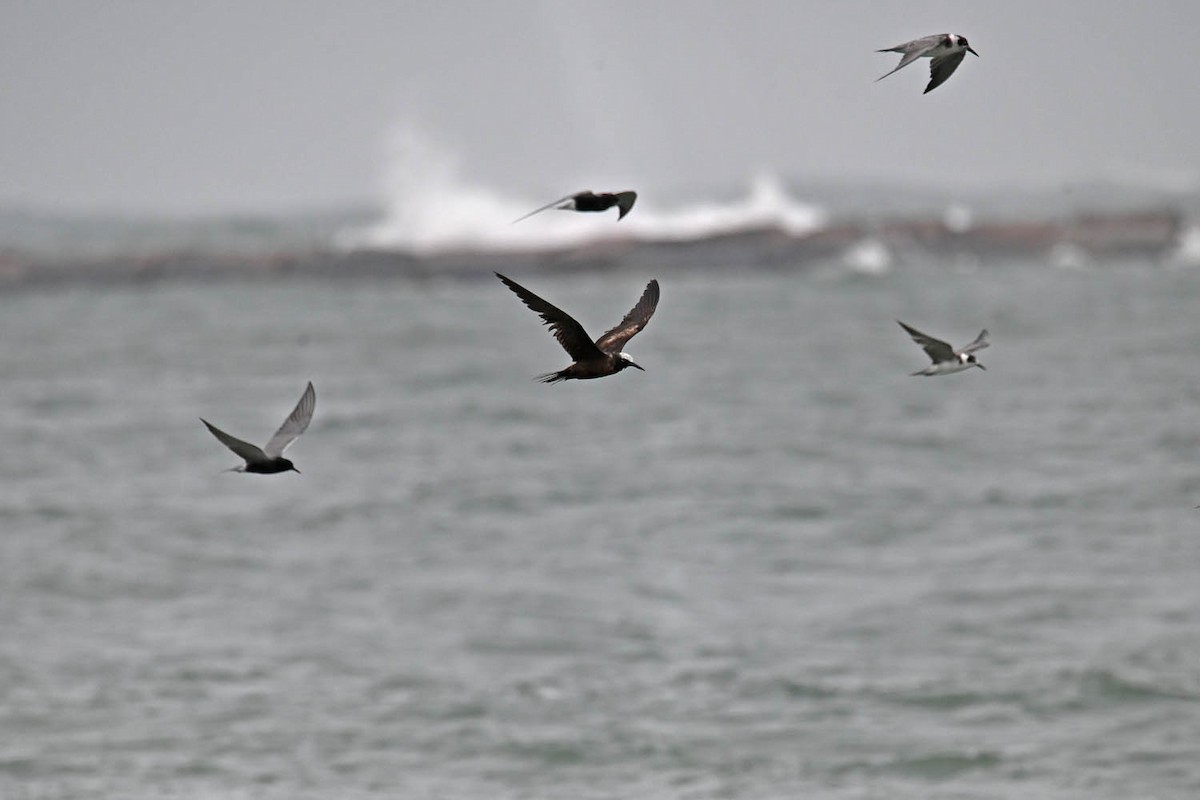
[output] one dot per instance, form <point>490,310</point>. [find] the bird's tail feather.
<point>893,72</point>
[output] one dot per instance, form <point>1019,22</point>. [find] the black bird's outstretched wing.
<point>613,340</point>
<point>569,333</point>
<point>940,69</point>
<point>294,425</point>
<point>249,452</point>
<point>625,201</point>
<point>936,349</point>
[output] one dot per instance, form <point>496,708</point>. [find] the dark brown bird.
<point>269,459</point>
<point>592,359</point>
<point>590,201</point>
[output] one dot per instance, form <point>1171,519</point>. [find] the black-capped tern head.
<point>946,360</point>
<point>268,460</point>
<point>590,201</point>
<point>946,49</point>
<point>592,359</point>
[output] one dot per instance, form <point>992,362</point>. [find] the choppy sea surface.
<point>773,565</point>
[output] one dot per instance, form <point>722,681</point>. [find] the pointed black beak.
<point>295,470</point>
<point>972,52</point>
<point>632,364</point>
<point>981,366</point>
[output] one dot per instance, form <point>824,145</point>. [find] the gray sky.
<point>291,104</point>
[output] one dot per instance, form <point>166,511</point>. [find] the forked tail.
<point>552,377</point>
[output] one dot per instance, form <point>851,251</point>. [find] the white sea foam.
<point>430,205</point>
<point>869,256</point>
<point>1187,254</point>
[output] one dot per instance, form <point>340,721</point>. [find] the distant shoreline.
<point>1150,234</point>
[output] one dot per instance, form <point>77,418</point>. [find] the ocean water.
<point>771,566</point>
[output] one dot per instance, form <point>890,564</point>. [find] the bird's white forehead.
<point>625,356</point>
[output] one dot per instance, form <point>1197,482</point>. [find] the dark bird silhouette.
<point>947,360</point>
<point>946,49</point>
<point>269,459</point>
<point>592,359</point>
<point>590,201</point>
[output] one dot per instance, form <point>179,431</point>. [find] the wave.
<point>1187,253</point>
<point>430,206</point>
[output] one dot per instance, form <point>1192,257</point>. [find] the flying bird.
<point>590,201</point>
<point>947,360</point>
<point>269,459</point>
<point>592,359</point>
<point>946,49</point>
